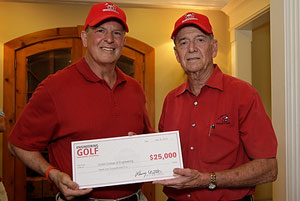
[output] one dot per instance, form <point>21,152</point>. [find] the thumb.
<point>70,184</point>
<point>179,171</point>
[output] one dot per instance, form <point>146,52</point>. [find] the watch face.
<point>212,186</point>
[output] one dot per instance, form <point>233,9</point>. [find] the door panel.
<point>137,57</point>
<point>21,68</point>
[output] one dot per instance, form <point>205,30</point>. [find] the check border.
<point>130,181</point>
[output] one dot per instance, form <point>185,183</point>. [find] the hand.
<point>66,186</point>
<point>186,178</point>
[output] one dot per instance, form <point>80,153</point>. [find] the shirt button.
<point>192,148</point>
<point>195,103</point>
<point>188,195</point>
<point>193,124</point>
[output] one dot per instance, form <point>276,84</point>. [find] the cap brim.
<point>102,18</point>
<point>174,33</point>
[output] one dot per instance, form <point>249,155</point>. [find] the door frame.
<point>10,166</point>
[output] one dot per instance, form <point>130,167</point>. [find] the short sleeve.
<point>256,130</point>
<point>37,123</point>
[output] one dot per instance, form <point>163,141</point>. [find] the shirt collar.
<point>89,75</point>
<point>215,81</point>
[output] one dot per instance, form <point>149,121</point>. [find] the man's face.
<point>194,49</point>
<point>104,42</point>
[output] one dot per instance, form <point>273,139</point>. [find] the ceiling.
<point>194,4</point>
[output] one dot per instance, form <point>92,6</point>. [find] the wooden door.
<point>132,63</point>
<point>33,64</point>
<point>20,71</point>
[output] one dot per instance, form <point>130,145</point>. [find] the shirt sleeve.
<point>256,130</point>
<point>162,117</point>
<point>148,128</point>
<point>37,122</point>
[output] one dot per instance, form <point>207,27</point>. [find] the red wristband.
<point>47,173</point>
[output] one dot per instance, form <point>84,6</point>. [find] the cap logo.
<point>189,16</point>
<point>110,8</point>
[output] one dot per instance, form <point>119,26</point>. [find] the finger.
<point>82,192</point>
<point>71,194</point>
<point>162,182</point>
<point>131,133</point>
<point>176,187</point>
<point>181,171</point>
<point>158,182</point>
<point>167,182</point>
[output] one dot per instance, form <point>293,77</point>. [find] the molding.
<point>292,51</point>
<point>176,4</point>
<point>232,5</point>
<point>241,12</point>
<point>250,18</point>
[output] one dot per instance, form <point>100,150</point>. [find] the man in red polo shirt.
<point>89,99</point>
<point>228,143</point>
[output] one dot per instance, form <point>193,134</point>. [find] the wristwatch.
<point>212,184</point>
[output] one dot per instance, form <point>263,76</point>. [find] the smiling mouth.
<point>107,48</point>
<point>193,59</point>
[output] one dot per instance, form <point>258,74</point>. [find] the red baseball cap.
<point>103,11</point>
<point>192,18</point>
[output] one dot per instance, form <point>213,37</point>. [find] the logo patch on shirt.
<point>223,119</point>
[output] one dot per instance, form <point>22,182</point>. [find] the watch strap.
<point>212,184</point>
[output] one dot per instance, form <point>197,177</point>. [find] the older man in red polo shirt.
<point>90,99</point>
<point>228,143</point>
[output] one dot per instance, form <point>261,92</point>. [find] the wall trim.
<point>292,51</point>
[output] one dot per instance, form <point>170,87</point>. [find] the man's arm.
<point>35,161</point>
<point>255,172</point>
<point>250,174</point>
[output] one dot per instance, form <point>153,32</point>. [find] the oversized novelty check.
<point>126,160</point>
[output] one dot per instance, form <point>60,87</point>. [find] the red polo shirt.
<point>74,104</point>
<point>223,127</point>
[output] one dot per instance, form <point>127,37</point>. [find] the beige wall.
<point>278,81</point>
<point>261,66</point>
<point>261,80</point>
<point>152,26</point>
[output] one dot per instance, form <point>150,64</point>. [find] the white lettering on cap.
<point>110,8</point>
<point>189,16</point>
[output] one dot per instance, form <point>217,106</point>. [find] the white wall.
<point>278,94</point>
